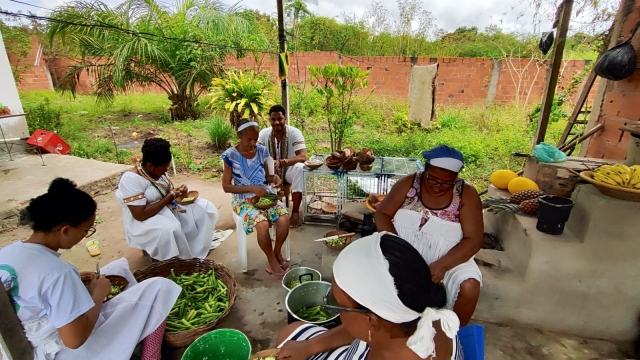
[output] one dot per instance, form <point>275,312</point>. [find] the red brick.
<point>630,108</point>
<point>615,152</point>
<point>612,103</point>
<point>596,148</point>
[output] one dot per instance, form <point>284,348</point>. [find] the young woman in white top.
<point>63,319</point>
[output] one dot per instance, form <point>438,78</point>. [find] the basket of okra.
<point>208,293</point>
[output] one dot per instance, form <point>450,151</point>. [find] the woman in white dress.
<point>153,221</point>
<point>441,216</point>
<point>61,317</point>
<point>388,307</point>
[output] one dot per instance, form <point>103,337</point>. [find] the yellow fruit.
<point>604,178</point>
<point>635,176</point>
<point>624,172</point>
<point>522,184</point>
<point>501,178</point>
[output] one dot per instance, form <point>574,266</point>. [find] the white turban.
<point>362,271</point>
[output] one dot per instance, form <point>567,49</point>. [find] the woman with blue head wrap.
<point>441,216</point>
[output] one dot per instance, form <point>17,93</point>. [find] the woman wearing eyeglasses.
<point>64,319</point>
<point>388,309</point>
<point>441,216</point>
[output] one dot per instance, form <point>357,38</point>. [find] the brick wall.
<point>35,77</point>
<point>621,102</point>
<point>460,80</point>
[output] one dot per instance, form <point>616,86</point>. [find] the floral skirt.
<point>252,216</point>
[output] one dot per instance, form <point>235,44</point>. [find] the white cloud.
<point>511,15</point>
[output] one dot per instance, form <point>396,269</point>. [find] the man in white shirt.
<point>287,148</point>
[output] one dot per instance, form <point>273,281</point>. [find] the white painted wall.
<point>15,127</point>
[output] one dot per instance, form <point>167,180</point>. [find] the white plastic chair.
<point>242,241</point>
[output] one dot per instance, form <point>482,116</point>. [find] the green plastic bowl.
<point>221,344</point>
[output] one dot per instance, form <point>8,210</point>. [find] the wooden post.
<point>554,71</point>
<point>12,337</point>
<point>283,48</point>
<point>582,98</point>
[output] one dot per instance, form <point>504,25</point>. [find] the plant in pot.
<point>4,110</point>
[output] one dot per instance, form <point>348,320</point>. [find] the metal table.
<point>334,188</point>
<point>9,143</point>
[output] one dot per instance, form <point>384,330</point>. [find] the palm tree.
<point>296,10</point>
<point>180,48</point>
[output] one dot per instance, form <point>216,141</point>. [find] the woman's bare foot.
<point>294,220</point>
<point>284,264</point>
<point>277,275</point>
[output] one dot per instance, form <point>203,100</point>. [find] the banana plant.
<point>241,94</point>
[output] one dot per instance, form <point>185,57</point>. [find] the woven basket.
<point>264,353</point>
<point>616,192</point>
<point>338,232</point>
<point>163,269</point>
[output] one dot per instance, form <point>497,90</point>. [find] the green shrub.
<point>220,131</point>
<point>44,117</point>
<point>449,121</point>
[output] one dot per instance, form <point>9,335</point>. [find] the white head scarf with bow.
<point>362,271</point>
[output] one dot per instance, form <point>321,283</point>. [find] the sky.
<point>510,15</point>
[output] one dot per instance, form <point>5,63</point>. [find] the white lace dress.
<point>187,234</point>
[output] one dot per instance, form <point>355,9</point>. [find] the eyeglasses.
<point>328,297</point>
<point>90,231</point>
<point>432,181</point>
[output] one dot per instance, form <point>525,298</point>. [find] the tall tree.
<point>296,10</point>
<point>180,47</point>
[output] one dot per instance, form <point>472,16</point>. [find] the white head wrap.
<point>246,125</point>
<point>362,271</point>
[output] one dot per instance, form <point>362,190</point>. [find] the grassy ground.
<point>486,136</point>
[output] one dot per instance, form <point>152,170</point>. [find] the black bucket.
<point>553,213</point>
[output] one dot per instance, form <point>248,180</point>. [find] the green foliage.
<point>450,121</point>
<point>44,117</point>
<point>338,85</point>
<point>181,67</point>
<point>17,41</point>
<point>220,132</point>
<point>241,94</point>
<point>558,111</point>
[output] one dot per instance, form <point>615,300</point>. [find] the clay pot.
<point>350,164</point>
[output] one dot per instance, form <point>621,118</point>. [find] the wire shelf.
<point>327,191</point>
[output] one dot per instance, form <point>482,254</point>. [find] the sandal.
<point>275,276</point>
<point>93,246</point>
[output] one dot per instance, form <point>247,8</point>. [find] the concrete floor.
<point>259,310</point>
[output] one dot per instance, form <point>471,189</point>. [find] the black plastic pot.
<point>553,213</point>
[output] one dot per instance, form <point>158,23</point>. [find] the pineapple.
<point>529,206</point>
<point>505,207</point>
<point>521,196</point>
<point>494,200</point>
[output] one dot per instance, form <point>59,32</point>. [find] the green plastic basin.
<point>221,344</point>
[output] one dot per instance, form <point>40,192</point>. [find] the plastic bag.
<point>619,62</point>
<point>546,41</point>
<point>548,153</point>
